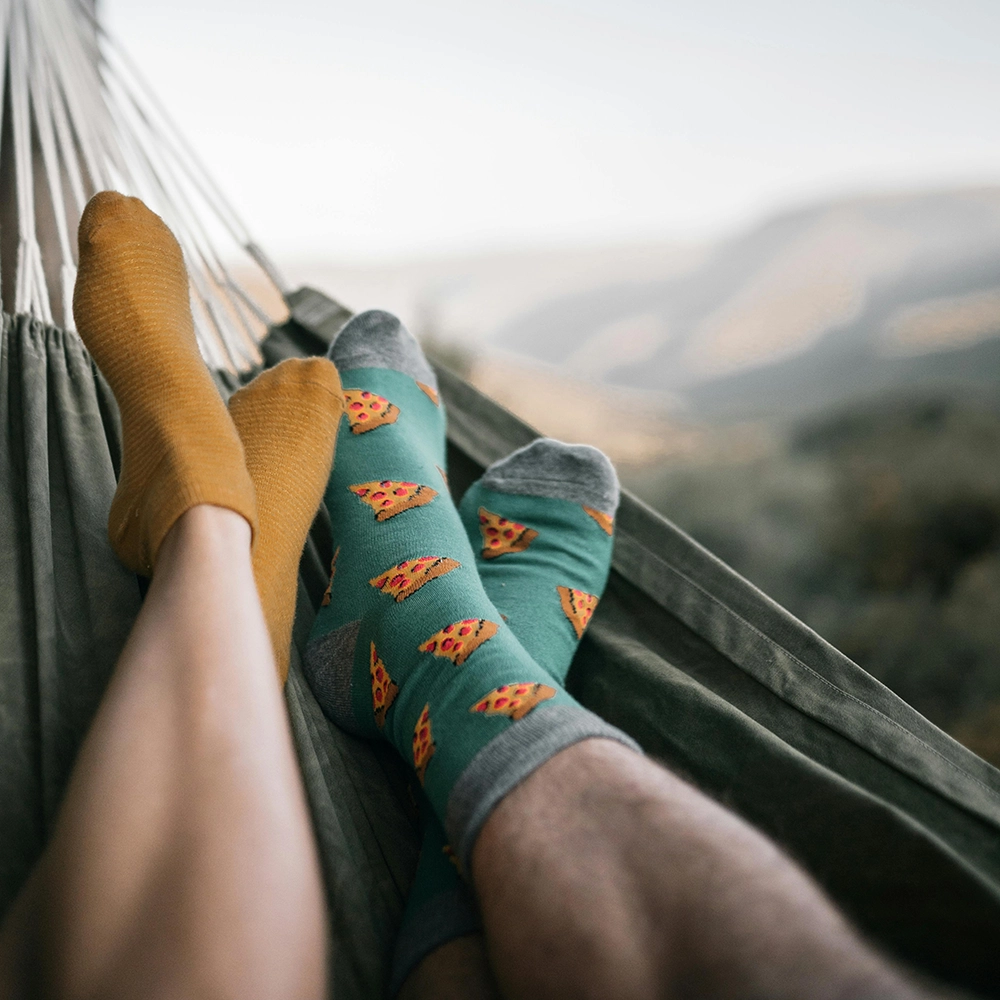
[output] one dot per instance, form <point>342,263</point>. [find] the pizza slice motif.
<point>367,410</point>
<point>502,536</point>
<point>329,586</point>
<point>423,743</point>
<point>389,497</point>
<point>458,641</point>
<point>606,521</point>
<point>410,575</point>
<point>578,606</point>
<point>384,689</point>
<point>430,393</point>
<point>513,700</point>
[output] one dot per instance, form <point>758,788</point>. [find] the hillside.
<point>809,308</point>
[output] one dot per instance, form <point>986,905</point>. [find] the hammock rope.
<point>79,118</point>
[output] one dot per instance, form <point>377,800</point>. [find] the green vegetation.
<point>879,526</point>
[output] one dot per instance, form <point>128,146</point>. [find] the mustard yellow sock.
<point>287,418</point>
<point>179,447</point>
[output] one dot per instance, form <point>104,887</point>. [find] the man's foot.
<point>410,646</point>
<point>541,521</point>
<point>179,447</point>
<point>287,419</point>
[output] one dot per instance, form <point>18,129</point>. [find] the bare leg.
<point>183,862</point>
<point>605,875</point>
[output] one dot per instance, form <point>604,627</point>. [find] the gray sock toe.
<point>377,339</point>
<point>549,468</point>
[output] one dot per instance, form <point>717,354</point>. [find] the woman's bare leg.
<point>183,861</point>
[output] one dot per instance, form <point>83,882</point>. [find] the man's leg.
<point>183,861</point>
<point>605,875</point>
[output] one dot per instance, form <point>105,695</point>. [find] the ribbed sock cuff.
<point>506,761</point>
<point>443,918</point>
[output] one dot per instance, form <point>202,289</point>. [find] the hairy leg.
<point>605,875</point>
<point>183,861</point>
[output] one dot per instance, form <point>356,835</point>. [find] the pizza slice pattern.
<point>406,578</point>
<point>606,521</point>
<point>578,606</point>
<point>423,743</point>
<point>384,689</point>
<point>389,497</point>
<point>502,536</point>
<point>429,392</point>
<point>458,641</point>
<point>513,700</point>
<point>329,586</point>
<point>367,410</point>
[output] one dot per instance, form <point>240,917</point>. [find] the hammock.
<point>897,821</point>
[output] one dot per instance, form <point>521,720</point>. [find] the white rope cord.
<point>32,295</point>
<point>223,325</point>
<point>188,220</point>
<point>77,119</point>
<point>42,104</point>
<point>181,182</point>
<point>171,136</point>
<point>155,191</point>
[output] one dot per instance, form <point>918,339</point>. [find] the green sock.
<point>410,647</point>
<point>540,521</point>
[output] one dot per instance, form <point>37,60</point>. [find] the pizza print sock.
<point>409,646</point>
<point>541,522</point>
<point>439,908</point>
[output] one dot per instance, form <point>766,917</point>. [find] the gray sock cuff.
<point>511,757</point>
<point>441,919</point>
<point>377,339</point>
<point>549,468</point>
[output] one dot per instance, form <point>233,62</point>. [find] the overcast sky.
<point>376,129</point>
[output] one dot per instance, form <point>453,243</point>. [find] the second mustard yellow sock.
<point>287,418</point>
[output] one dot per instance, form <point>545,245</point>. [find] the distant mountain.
<point>468,298</point>
<point>810,308</point>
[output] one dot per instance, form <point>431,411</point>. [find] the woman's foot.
<point>179,447</point>
<point>287,419</point>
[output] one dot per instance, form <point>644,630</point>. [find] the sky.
<point>372,131</point>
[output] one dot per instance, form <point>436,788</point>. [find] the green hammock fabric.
<point>895,819</point>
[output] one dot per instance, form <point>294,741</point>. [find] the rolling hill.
<point>808,309</point>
